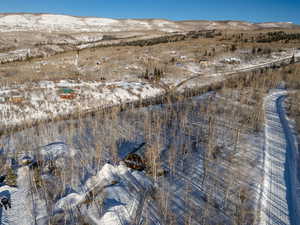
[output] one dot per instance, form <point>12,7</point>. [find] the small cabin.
<point>16,99</point>
<point>66,90</point>
<point>68,96</point>
<point>67,93</point>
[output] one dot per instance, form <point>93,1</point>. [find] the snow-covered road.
<point>25,209</point>
<point>280,202</point>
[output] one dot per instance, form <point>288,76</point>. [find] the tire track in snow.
<point>20,212</point>
<point>23,210</point>
<point>279,197</point>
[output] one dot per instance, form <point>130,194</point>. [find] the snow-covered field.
<point>206,158</point>
<point>44,100</point>
<point>189,191</point>
<point>32,102</point>
<point>247,177</point>
<point>108,193</point>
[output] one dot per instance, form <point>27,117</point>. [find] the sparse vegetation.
<point>11,178</point>
<point>199,132</point>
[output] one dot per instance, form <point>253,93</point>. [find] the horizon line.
<point>146,18</point>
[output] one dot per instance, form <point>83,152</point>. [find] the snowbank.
<point>119,194</point>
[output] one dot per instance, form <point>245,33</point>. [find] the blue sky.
<point>248,10</point>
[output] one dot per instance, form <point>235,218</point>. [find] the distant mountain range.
<point>50,22</point>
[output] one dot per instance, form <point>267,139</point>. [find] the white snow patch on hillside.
<point>48,22</point>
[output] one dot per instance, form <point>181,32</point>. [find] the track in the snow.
<point>279,197</point>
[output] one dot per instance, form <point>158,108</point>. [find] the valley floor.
<point>29,103</point>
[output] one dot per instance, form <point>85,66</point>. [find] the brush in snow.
<point>5,202</point>
<point>2,178</point>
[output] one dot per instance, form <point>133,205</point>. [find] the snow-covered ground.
<point>202,78</point>
<point>26,207</point>
<point>280,196</point>
<point>126,195</point>
<point>44,100</point>
<point>121,195</point>
<point>41,101</point>
<point>121,191</point>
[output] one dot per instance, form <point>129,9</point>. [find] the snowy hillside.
<point>49,22</point>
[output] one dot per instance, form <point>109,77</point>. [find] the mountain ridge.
<point>62,22</point>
